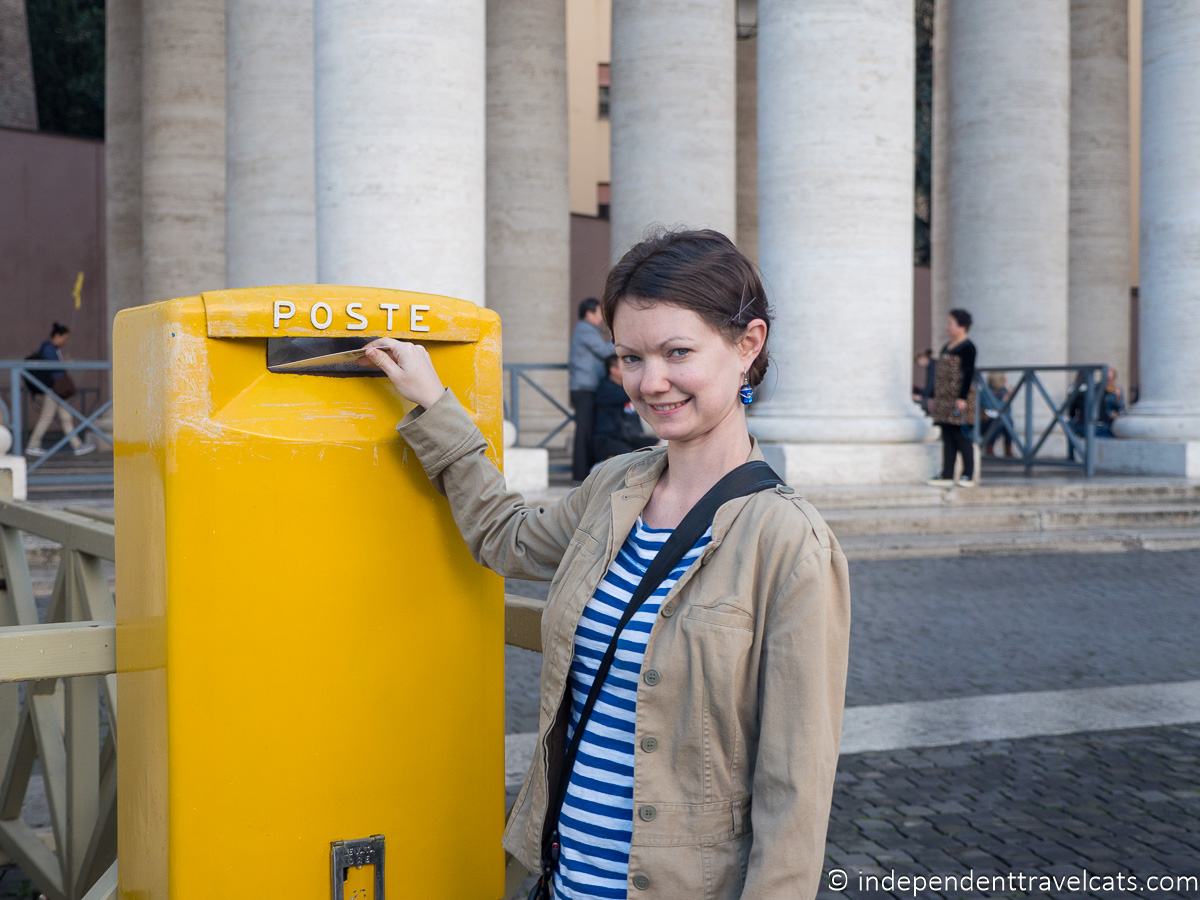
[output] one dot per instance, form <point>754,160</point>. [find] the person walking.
<point>50,382</point>
<point>618,427</point>
<point>954,400</point>
<point>687,746</point>
<point>590,347</point>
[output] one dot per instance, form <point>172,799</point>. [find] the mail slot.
<point>308,658</point>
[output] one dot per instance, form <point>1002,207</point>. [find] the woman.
<point>53,381</point>
<point>954,400</point>
<point>707,768</point>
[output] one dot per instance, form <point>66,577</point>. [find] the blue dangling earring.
<point>745,392</point>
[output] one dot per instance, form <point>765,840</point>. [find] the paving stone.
<point>1068,820</point>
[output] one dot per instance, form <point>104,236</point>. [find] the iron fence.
<point>22,373</point>
<point>1078,415</point>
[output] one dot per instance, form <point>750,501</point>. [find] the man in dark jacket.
<point>590,346</point>
<point>618,428</point>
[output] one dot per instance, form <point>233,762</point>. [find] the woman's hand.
<point>960,404</point>
<point>408,367</point>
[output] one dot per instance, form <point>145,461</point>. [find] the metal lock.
<point>347,855</point>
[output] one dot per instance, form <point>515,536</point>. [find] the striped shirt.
<point>596,823</point>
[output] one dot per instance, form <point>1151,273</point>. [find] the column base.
<point>1124,456</point>
<point>12,478</point>
<point>526,468</point>
<point>840,464</point>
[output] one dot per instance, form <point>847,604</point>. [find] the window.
<point>603,198</point>
<point>603,82</point>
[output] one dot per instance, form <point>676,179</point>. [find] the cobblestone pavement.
<point>937,628</point>
<point>1108,802</point>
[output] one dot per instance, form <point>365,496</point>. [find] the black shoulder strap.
<point>748,478</point>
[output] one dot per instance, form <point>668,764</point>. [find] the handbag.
<point>748,478</point>
<point>63,386</point>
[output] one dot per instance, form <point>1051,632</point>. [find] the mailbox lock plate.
<point>344,855</point>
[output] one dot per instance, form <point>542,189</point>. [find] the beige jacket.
<point>744,676</point>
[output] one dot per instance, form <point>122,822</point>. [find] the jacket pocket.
<point>725,866</point>
<point>724,614</point>
<point>718,642</point>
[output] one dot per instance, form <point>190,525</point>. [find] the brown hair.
<point>698,270</point>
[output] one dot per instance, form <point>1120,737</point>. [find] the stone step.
<point>1020,492</point>
<point>861,548</point>
<point>848,523</point>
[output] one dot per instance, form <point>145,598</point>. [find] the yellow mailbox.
<point>310,664</point>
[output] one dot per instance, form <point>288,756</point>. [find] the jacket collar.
<point>651,468</point>
<point>641,477</point>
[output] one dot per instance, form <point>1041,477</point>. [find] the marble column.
<point>1098,305</point>
<point>674,117</point>
<point>528,198</point>
<point>183,147</point>
<point>123,156</point>
<point>1166,420</point>
<point>18,102</point>
<point>400,114</point>
<point>270,211</point>
<point>835,188</point>
<point>747,143</point>
<point>1009,68</point>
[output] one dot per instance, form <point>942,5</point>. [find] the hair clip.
<point>745,305</point>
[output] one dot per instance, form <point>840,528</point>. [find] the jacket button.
<point>784,489</point>
<point>649,744</point>
<point>641,882</point>
<point>648,813</point>
<point>668,610</point>
<point>652,677</point>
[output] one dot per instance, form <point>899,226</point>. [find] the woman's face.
<point>953,329</point>
<point>681,374</point>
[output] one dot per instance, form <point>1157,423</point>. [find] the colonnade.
<point>431,153</point>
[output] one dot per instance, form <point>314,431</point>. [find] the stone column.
<point>674,117</point>
<point>400,116</point>
<point>18,103</point>
<point>1167,417</point>
<point>528,199</point>
<point>183,147</point>
<point>747,143</point>
<point>1098,309</point>
<point>123,156</point>
<point>835,188</point>
<point>270,198</point>
<point>1009,67</point>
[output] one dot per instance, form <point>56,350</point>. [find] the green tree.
<point>66,38</point>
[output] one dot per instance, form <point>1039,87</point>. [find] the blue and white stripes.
<point>596,823</point>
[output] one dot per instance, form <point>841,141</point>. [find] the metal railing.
<point>21,372</point>
<point>21,375</point>
<point>1033,396</point>
<point>518,373</point>
<point>64,662</point>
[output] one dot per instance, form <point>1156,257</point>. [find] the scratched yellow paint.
<point>306,651</point>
